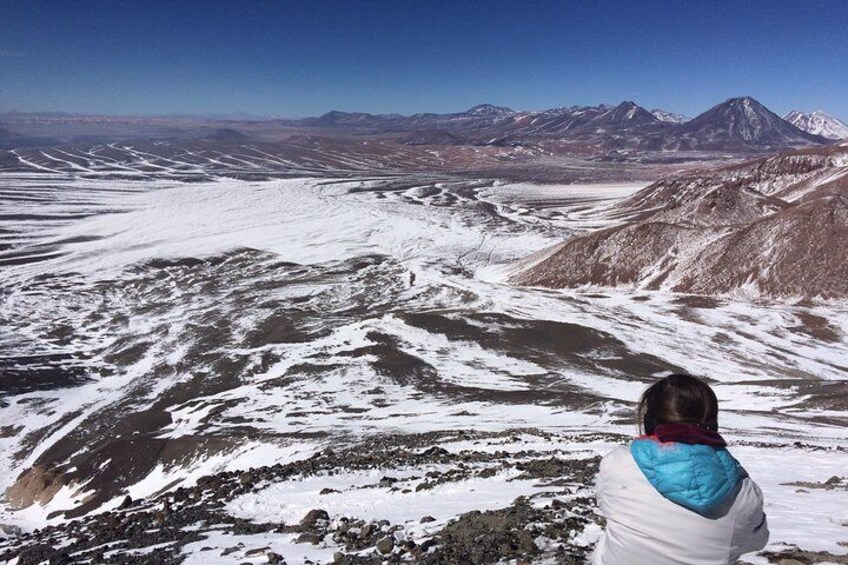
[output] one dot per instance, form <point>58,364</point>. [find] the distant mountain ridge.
<point>818,123</point>
<point>489,110</point>
<point>738,125</point>
<point>670,117</point>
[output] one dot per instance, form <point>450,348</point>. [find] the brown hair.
<point>677,399</point>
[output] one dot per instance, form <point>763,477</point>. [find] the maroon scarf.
<point>688,433</point>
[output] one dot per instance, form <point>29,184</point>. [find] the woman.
<point>675,496</point>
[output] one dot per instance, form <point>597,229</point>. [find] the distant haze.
<point>306,58</point>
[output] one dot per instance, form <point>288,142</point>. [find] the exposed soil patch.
<point>549,342</point>
<point>816,327</point>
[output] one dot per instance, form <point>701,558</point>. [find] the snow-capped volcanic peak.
<point>818,123</point>
<point>625,115</point>
<point>748,114</point>
<point>629,110</point>
<point>490,110</point>
<point>745,122</point>
<point>669,117</point>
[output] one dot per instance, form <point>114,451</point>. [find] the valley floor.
<point>351,341</point>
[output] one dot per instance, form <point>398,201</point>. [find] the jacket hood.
<point>698,477</point>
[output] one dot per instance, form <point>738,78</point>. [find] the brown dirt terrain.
<point>689,236</point>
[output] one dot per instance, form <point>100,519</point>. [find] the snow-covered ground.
<point>254,323</point>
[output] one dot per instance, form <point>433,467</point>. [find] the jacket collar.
<point>689,434</point>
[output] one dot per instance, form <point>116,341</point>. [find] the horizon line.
<point>251,116</point>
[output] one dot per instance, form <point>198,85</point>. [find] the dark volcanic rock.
<point>796,556</point>
<point>187,515</point>
<point>314,516</point>
<point>510,533</point>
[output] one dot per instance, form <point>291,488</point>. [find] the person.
<point>675,495</point>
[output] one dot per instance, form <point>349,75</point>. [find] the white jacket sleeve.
<point>601,480</point>
<point>751,531</point>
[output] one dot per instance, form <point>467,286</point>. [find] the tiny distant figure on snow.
<point>675,495</point>
<point>411,278</point>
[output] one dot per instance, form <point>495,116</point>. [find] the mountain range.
<point>737,125</point>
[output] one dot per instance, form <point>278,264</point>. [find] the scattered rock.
<point>10,529</point>
<point>796,556</point>
<point>256,551</point>
<point>313,516</point>
<point>186,514</point>
<point>387,481</point>
<point>309,537</point>
<point>385,545</point>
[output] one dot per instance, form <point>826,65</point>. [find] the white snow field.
<point>119,284</point>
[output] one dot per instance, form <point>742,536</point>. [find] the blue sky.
<point>308,57</point>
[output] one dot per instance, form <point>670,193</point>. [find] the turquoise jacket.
<point>697,477</point>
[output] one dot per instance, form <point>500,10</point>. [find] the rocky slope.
<point>202,519</point>
<point>773,227</point>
